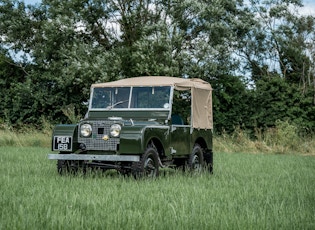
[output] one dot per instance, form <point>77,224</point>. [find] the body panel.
<point>181,141</point>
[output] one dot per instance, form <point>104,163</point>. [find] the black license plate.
<point>63,143</point>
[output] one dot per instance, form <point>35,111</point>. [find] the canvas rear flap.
<point>202,108</point>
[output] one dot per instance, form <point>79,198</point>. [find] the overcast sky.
<point>309,7</point>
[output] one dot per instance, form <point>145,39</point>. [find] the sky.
<point>308,9</point>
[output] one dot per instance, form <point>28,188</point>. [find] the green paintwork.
<point>205,135</point>
<point>136,135</point>
<point>131,140</point>
<point>67,130</point>
<point>143,115</point>
<point>134,139</point>
<point>159,134</point>
<point>181,139</point>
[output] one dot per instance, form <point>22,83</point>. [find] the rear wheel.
<point>148,165</point>
<point>208,158</point>
<point>196,161</point>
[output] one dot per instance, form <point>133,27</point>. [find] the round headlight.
<point>115,130</point>
<point>86,130</point>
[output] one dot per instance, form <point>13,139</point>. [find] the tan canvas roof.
<point>179,83</point>
<point>201,94</point>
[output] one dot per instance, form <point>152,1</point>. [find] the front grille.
<point>95,142</point>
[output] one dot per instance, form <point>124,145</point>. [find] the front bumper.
<point>86,157</point>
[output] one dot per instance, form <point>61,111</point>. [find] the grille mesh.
<point>95,142</point>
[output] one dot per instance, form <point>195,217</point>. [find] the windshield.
<point>131,98</point>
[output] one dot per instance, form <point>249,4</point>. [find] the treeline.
<point>257,55</point>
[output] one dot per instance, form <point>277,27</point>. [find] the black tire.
<point>208,158</point>
<point>63,167</point>
<point>148,167</point>
<point>196,160</point>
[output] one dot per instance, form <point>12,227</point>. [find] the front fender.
<point>134,139</point>
<point>160,133</point>
<point>131,140</point>
<point>66,131</point>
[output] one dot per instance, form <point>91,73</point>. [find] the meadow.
<point>246,191</point>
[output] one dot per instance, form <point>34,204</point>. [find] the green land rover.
<point>139,125</point>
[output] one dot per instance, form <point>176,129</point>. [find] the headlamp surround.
<point>115,130</point>
<point>86,130</point>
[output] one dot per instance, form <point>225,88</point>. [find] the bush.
<point>281,139</point>
<point>26,135</point>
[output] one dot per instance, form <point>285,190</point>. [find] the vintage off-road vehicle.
<point>138,125</point>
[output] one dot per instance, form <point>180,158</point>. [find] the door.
<point>180,139</point>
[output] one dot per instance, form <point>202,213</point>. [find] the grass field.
<point>247,191</point>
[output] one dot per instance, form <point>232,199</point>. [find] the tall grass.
<point>29,137</point>
<point>282,139</point>
<point>26,135</point>
<point>247,191</point>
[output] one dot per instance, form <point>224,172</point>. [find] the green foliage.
<point>279,41</point>
<point>231,104</point>
<point>53,51</point>
<point>284,135</point>
<point>276,99</point>
<point>70,112</point>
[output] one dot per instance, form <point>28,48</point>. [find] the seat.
<point>177,120</point>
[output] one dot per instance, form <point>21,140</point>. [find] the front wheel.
<point>65,167</point>
<point>148,165</point>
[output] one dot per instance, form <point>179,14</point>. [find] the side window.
<point>181,113</point>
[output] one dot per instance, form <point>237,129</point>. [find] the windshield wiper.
<point>117,103</point>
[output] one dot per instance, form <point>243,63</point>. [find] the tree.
<point>59,48</point>
<point>9,73</point>
<point>280,41</point>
